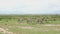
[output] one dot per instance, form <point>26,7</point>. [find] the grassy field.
<point>12,25</point>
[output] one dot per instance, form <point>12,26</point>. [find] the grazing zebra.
<point>40,20</point>
<point>20,20</point>
<point>29,20</point>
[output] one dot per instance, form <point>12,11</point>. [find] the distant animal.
<point>29,20</point>
<point>40,20</point>
<point>20,20</point>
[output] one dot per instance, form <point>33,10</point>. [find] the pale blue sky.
<point>29,6</point>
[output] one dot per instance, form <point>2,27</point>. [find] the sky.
<point>29,6</point>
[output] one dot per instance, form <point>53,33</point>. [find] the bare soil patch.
<point>5,31</point>
<point>25,27</point>
<point>51,25</point>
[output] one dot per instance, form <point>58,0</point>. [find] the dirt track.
<point>4,31</point>
<point>51,25</point>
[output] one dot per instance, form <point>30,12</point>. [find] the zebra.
<point>20,20</point>
<point>41,20</point>
<point>29,20</point>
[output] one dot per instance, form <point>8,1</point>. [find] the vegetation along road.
<point>29,24</point>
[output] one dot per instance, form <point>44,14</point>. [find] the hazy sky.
<point>29,6</point>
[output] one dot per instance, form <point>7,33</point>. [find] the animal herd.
<point>36,20</point>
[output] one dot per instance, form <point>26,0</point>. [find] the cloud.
<point>30,6</point>
<point>40,6</point>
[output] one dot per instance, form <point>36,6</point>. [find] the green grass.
<point>1,33</point>
<point>38,29</point>
<point>11,22</point>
